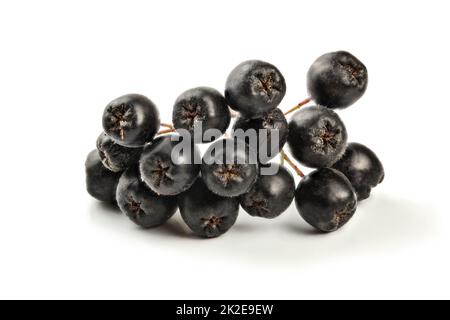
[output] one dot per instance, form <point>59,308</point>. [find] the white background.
<point>61,62</point>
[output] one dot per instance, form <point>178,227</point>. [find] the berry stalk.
<point>292,164</point>
<point>298,106</point>
<point>167,125</point>
<point>233,114</point>
<point>166,131</point>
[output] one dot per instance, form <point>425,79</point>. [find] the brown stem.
<point>292,164</point>
<point>165,131</point>
<point>167,125</point>
<point>233,114</point>
<point>282,159</point>
<point>301,104</point>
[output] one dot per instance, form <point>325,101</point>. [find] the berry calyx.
<point>255,87</point>
<point>317,137</point>
<point>131,120</point>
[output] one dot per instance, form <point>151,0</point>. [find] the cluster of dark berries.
<point>150,173</point>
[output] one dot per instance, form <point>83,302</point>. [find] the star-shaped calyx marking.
<point>228,173</point>
<point>212,222</point>
<point>134,207</point>
<point>356,74</point>
<point>260,205</point>
<point>161,173</point>
<point>191,112</point>
<point>120,118</point>
<point>341,217</point>
<point>328,138</point>
<point>267,84</point>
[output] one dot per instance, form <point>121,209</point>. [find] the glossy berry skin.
<point>255,87</point>
<point>101,183</point>
<point>362,167</point>
<point>205,106</point>
<point>115,157</point>
<point>317,137</point>
<point>229,178</point>
<point>271,195</point>
<point>140,204</point>
<point>270,121</point>
<point>326,199</point>
<point>337,80</point>
<point>162,175</point>
<point>207,214</point>
<point>131,120</point>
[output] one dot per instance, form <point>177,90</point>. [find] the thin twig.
<point>167,125</point>
<point>289,161</point>
<point>233,114</point>
<point>165,131</point>
<point>301,104</point>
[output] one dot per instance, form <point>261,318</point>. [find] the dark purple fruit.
<point>115,157</point>
<point>317,136</point>
<point>326,199</point>
<point>255,87</point>
<point>271,195</point>
<point>229,168</point>
<point>362,167</point>
<point>142,205</point>
<point>337,80</point>
<point>101,183</point>
<point>207,214</point>
<point>203,108</point>
<point>164,176</point>
<point>131,120</point>
<point>274,122</point>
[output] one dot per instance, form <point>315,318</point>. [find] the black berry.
<point>140,204</point>
<point>271,195</point>
<point>317,136</point>
<point>326,199</point>
<point>255,87</point>
<point>229,168</point>
<point>362,167</point>
<point>271,121</point>
<point>205,106</point>
<point>207,214</point>
<point>115,157</point>
<point>131,120</point>
<point>161,174</point>
<point>337,79</point>
<point>101,183</point>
